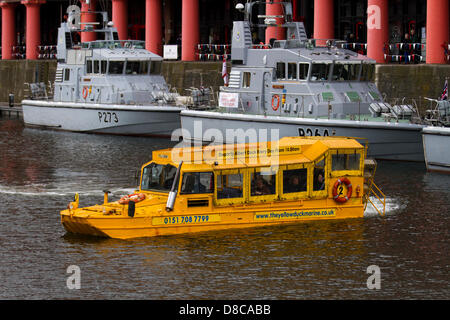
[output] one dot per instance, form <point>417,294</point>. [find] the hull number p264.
<point>308,132</point>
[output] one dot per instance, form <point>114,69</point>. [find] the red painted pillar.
<point>8,29</point>
<point>33,28</point>
<point>275,32</point>
<point>377,29</point>
<point>323,19</point>
<point>437,30</point>
<point>153,26</point>
<point>120,17</point>
<point>87,16</point>
<point>190,30</point>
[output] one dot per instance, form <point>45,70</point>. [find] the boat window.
<point>320,71</point>
<point>103,63</point>
<point>345,72</point>
<point>116,67</point>
<point>263,183</point>
<point>281,71</point>
<point>132,67</point>
<point>246,80</point>
<point>155,67</point>
<point>295,180</point>
<point>96,68</point>
<point>292,71</point>
<point>319,176</point>
<point>89,66</point>
<point>229,186</point>
<point>66,74</point>
<point>143,67</point>
<point>197,182</point>
<point>158,177</point>
<point>303,71</point>
<point>367,72</point>
<point>345,161</point>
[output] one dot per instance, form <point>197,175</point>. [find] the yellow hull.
<point>124,227</point>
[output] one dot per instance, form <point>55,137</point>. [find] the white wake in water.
<point>392,206</point>
<point>41,190</point>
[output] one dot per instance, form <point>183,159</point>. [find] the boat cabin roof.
<point>288,150</point>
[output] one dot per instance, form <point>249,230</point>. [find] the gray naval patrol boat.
<point>306,87</point>
<point>436,136</point>
<point>104,86</point>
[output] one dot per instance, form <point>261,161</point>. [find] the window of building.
<point>303,71</point>
<point>281,71</point>
<point>345,161</point>
<point>320,71</point>
<point>292,71</point>
<point>295,180</point>
<point>197,182</point>
<point>229,185</point>
<point>246,80</point>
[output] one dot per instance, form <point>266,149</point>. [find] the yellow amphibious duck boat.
<point>184,190</point>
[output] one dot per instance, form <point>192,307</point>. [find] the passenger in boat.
<point>260,187</point>
<point>319,181</point>
<point>294,185</point>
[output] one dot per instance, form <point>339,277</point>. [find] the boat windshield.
<point>137,67</point>
<point>158,177</point>
<point>346,72</point>
<point>368,70</point>
<point>320,71</point>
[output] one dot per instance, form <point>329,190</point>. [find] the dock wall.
<point>394,81</point>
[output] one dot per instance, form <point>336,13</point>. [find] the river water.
<point>41,170</point>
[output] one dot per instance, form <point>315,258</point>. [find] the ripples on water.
<point>41,170</point>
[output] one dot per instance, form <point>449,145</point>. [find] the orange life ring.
<point>135,197</point>
<point>277,105</point>
<point>337,195</point>
<point>85,92</point>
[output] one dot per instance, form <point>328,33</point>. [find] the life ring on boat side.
<point>85,92</point>
<point>135,197</point>
<point>337,191</point>
<point>275,102</point>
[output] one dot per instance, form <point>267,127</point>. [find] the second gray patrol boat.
<point>104,86</point>
<point>306,87</point>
